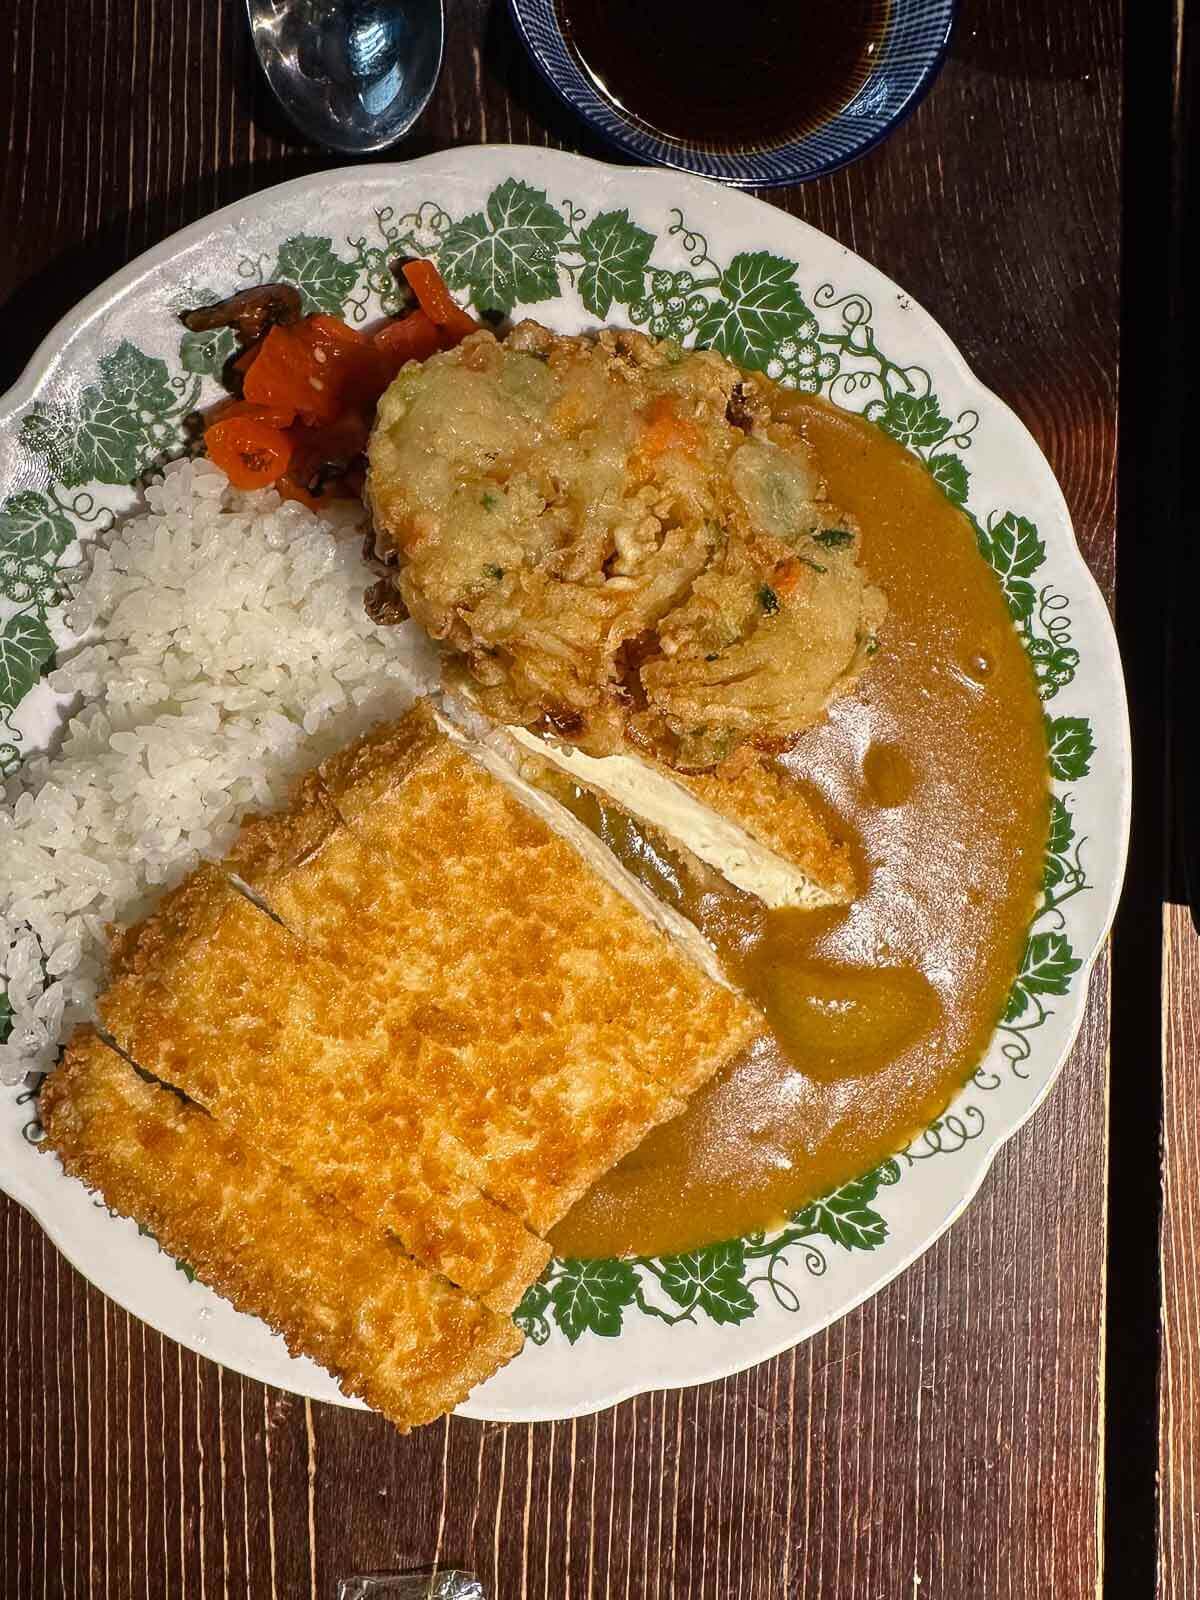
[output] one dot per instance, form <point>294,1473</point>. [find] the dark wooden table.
<point>947,1441</point>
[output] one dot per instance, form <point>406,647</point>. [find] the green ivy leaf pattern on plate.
<point>1016,548</point>
<point>1048,964</point>
<point>615,252</point>
<point>592,1296</point>
<point>398,236</point>
<point>49,431</point>
<point>521,247</point>
<point>31,528</point>
<point>324,280</point>
<point>1047,968</point>
<point>949,471</point>
<point>672,308</point>
<point>760,306</point>
<point>140,384</point>
<point>716,1282</point>
<point>915,421</point>
<point>508,253</point>
<point>108,440</point>
<point>1062,833</point>
<point>1021,597</point>
<point>123,424</point>
<point>710,1280</point>
<point>846,1217</point>
<point>1054,665</point>
<point>530,1315</point>
<point>1071,747</point>
<point>29,583</point>
<point>25,648</point>
<point>206,353</point>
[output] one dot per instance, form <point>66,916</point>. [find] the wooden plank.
<point>1178,1542</point>
<point>944,1440</point>
<point>1179,1371</point>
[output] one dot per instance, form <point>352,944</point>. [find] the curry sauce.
<point>935,770</point>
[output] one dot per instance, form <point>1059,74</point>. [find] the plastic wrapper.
<point>412,1586</point>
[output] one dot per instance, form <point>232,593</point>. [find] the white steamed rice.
<point>226,650</point>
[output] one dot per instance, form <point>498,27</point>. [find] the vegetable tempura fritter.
<point>618,543</point>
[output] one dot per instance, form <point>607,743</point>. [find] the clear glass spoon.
<point>351,74</point>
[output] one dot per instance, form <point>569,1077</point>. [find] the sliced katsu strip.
<point>595,980</point>
<point>213,996</point>
<point>778,814</point>
<point>552,1023</point>
<point>751,821</point>
<point>400,1337</point>
<point>539,1126</point>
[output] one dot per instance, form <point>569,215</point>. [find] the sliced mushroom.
<point>249,313</point>
<point>383,604</point>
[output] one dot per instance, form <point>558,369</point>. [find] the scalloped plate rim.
<point>55,346</point>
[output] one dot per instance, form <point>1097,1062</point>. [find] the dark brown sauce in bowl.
<point>936,771</point>
<point>747,77</point>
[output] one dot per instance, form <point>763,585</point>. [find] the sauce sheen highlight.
<point>935,770</point>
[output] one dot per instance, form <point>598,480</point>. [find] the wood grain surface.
<point>944,1442</point>
<point>1179,1365</point>
<point>1179,1372</point>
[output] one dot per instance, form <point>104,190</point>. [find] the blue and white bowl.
<point>916,37</point>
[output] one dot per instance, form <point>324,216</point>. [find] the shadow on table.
<point>29,314</point>
<point>507,63</point>
<point>1157,568</point>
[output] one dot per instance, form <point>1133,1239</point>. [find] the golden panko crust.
<point>774,809</point>
<point>217,999</point>
<point>551,1024</point>
<point>597,969</point>
<point>398,1336</point>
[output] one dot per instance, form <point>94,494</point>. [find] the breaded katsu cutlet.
<point>213,996</point>
<point>749,819</point>
<point>404,1027</point>
<point>398,1336</point>
<point>546,1018</point>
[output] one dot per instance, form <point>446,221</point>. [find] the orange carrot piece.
<point>333,333</point>
<point>286,374</point>
<point>351,368</point>
<point>289,489</point>
<point>436,301</point>
<point>667,430</point>
<point>251,453</point>
<point>414,337</point>
<point>274,416</point>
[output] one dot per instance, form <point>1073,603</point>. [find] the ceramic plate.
<point>577,243</point>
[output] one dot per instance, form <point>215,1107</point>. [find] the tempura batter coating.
<point>618,543</point>
<point>398,1336</point>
